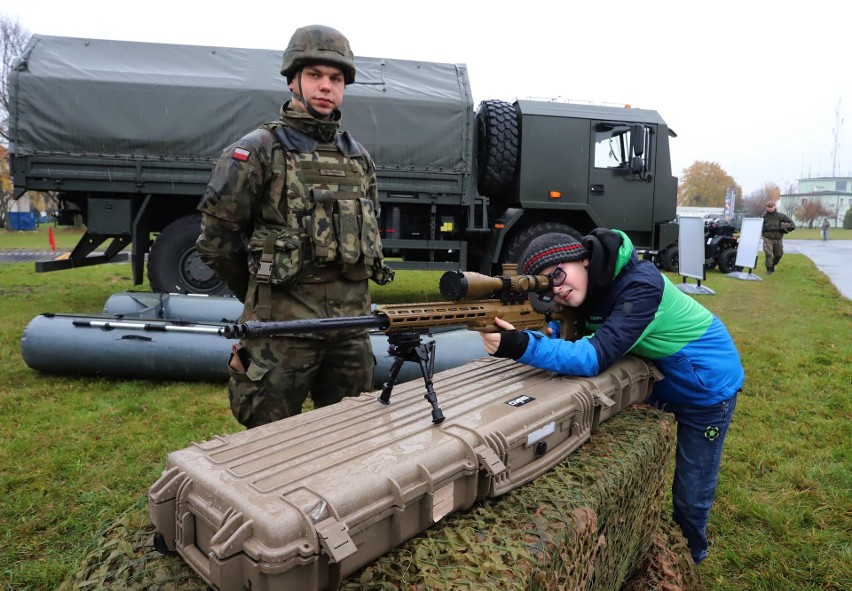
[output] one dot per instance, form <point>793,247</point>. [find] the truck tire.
<point>727,261</point>
<point>174,265</point>
<point>497,148</point>
<point>519,242</point>
<point>670,259</point>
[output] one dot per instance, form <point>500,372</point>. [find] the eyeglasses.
<point>555,278</point>
<point>770,207</point>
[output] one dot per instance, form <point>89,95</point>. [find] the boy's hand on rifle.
<point>508,342</point>
<point>491,340</point>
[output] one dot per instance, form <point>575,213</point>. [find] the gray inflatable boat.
<point>157,336</point>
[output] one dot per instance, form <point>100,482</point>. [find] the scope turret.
<point>457,285</point>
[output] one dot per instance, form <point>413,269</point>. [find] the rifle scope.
<point>456,285</point>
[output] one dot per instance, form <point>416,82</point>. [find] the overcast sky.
<point>752,85</point>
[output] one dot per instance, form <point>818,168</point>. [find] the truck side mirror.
<point>637,165</point>
<point>637,139</point>
<point>637,147</point>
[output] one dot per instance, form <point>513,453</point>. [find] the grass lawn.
<point>76,452</point>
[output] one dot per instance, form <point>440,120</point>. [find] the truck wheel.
<point>519,242</point>
<point>174,265</point>
<point>497,147</point>
<point>727,261</point>
<point>670,259</point>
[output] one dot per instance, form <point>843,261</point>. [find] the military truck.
<point>125,134</point>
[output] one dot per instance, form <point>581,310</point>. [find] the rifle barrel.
<point>254,329</point>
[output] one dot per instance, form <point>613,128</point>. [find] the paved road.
<point>23,256</point>
<point>832,257</point>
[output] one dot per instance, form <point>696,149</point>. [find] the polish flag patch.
<point>240,154</point>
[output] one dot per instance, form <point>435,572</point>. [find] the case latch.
<point>334,539</point>
<point>489,461</point>
<point>603,399</point>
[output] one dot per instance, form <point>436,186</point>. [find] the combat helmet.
<point>318,44</point>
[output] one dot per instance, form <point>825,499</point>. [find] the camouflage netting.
<point>668,564</point>
<point>593,522</point>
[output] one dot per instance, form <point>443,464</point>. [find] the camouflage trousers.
<point>773,249</point>
<point>271,378</point>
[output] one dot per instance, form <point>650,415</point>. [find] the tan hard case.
<point>301,503</point>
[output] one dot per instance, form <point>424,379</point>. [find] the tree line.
<point>706,184</point>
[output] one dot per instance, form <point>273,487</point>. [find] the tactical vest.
<point>317,223</point>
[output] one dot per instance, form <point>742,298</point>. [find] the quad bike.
<point>720,248</point>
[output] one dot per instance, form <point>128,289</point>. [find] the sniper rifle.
<point>473,301</point>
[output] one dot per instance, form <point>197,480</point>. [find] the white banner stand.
<point>747,248</point>
<point>690,243</point>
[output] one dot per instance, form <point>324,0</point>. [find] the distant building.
<point>834,193</point>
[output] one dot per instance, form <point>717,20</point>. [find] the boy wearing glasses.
<point>775,225</point>
<point>629,307</point>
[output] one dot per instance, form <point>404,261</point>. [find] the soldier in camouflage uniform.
<point>289,222</point>
<point>775,225</point>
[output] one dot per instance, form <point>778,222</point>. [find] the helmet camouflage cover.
<point>318,44</point>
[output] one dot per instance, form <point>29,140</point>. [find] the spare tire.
<point>497,148</point>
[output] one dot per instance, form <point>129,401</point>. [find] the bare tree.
<point>755,203</point>
<point>13,38</point>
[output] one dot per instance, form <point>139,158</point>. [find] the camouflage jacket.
<point>776,224</point>
<point>269,207</point>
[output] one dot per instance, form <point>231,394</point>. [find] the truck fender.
<point>502,226</point>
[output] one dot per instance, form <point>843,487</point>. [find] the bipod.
<point>409,346</point>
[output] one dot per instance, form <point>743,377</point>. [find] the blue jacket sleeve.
<point>633,308</point>
<point>577,358</point>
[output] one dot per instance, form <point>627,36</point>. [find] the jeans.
<point>701,432</point>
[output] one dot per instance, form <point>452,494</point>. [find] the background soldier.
<point>289,222</point>
<point>775,225</point>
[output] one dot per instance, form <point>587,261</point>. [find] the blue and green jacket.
<point>641,312</point>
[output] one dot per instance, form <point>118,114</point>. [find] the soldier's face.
<point>573,289</point>
<point>321,86</point>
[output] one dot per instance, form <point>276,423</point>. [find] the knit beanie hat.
<point>551,249</point>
